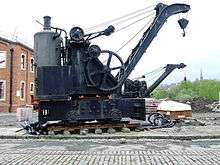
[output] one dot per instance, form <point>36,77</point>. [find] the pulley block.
<point>109,30</point>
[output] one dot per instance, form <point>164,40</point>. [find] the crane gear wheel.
<point>116,114</point>
<point>76,34</point>
<point>94,51</point>
<point>101,77</point>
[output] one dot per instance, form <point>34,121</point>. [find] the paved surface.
<point>21,152</point>
<point>10,119</point>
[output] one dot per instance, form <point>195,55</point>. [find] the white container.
<point>175,110</point>
<point>24,114</point>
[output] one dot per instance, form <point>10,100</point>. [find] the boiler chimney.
<point>47,23</point>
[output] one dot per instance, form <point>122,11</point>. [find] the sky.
<point>199,50</point>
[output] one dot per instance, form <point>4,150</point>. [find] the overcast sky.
<point>200,48</point>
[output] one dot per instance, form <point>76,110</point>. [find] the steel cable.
<point>126,43</point>
<point>133,36</point>
<point>130,18</point>
<point>156,76</point>
<point>154,71</point>
<point>119,18</point>
<point>124,27</point>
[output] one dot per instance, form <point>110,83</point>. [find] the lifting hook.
<point>183,24</point>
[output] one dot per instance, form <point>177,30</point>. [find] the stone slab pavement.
<point>112,152</point>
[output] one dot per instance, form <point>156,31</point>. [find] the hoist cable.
<point>116,19</point>
<point>124,27</point>
<point>153,71</point>
<point>119,18</point>
<point>130,18</point>
<point>126,43</point>
<point>156,76</point>
<point>134,35</point>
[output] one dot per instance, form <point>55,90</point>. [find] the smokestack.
<point>185,76</point>
<point>201,75</point>
<point>47,23</point>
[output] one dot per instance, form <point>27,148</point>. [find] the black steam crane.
<point>73,85</point>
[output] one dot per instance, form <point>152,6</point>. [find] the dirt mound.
<point>198,104</point>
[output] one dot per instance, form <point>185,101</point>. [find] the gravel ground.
<point>212,118</point>
<point>9,119</point>
<point>191,129</point>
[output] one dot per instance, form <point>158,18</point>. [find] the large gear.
<point>102,77</point>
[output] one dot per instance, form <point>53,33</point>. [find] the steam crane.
<point>136,88</point>
<point>73,85</point>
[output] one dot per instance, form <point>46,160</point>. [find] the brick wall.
<point>19,75</point>
<point>4,75</point>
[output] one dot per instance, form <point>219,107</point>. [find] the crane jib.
<point>162,13</point>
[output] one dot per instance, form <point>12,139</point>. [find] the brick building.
<point>16,75</point>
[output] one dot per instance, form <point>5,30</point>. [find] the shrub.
<point>207,89</point>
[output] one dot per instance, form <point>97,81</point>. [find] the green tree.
<point>207,89</point>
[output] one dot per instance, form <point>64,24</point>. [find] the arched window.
<point>31,87</point>
<point>2,59</point>
<point>23,61</point>
<point>22,90</point>
<point>32,65</point>
<point>2,89</point>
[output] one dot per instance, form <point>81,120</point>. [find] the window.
<point>2,89</point>
<point>31,87</point>
<point>22,90</point>
<point>2,59</point>
<point>32,65</point>
<point>22,61</point>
